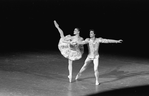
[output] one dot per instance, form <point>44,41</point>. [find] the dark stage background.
<point>27,25</point>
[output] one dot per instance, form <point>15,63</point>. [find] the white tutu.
<point>72,52</point>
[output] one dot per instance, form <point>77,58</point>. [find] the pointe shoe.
<point>70,79</point>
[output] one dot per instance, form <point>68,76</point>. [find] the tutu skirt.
<point>70,51</point>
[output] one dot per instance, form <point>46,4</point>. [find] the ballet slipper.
<point>97,83</point>
<point>78,75</point>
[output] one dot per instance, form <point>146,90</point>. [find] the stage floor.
<point>45,74</point>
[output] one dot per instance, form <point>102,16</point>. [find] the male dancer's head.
<point>92,34</point>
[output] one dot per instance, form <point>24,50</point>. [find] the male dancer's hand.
<point>120,41</point>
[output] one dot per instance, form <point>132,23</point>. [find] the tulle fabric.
<point>70,51</point>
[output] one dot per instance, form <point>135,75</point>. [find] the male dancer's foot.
<point>78,75</point>
<point>97,83</point>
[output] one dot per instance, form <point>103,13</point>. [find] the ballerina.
<point>70,48</point>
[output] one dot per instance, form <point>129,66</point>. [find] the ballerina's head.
<point>76,31</point>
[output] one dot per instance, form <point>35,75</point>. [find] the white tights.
<point>96,72</point>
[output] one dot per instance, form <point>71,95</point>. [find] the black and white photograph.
<point>74,48</point>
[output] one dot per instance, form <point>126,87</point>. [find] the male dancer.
<point>93,46</point>
<point>69,47</point>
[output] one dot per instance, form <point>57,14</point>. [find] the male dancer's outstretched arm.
<point>60,30</point>
<point>109,40</point>
<point>84,41</point>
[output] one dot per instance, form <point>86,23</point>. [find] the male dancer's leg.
<point>83,67</point>
<point>70,70</point>
<point>96,72</point>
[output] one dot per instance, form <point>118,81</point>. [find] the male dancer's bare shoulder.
<point>99,39</point>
